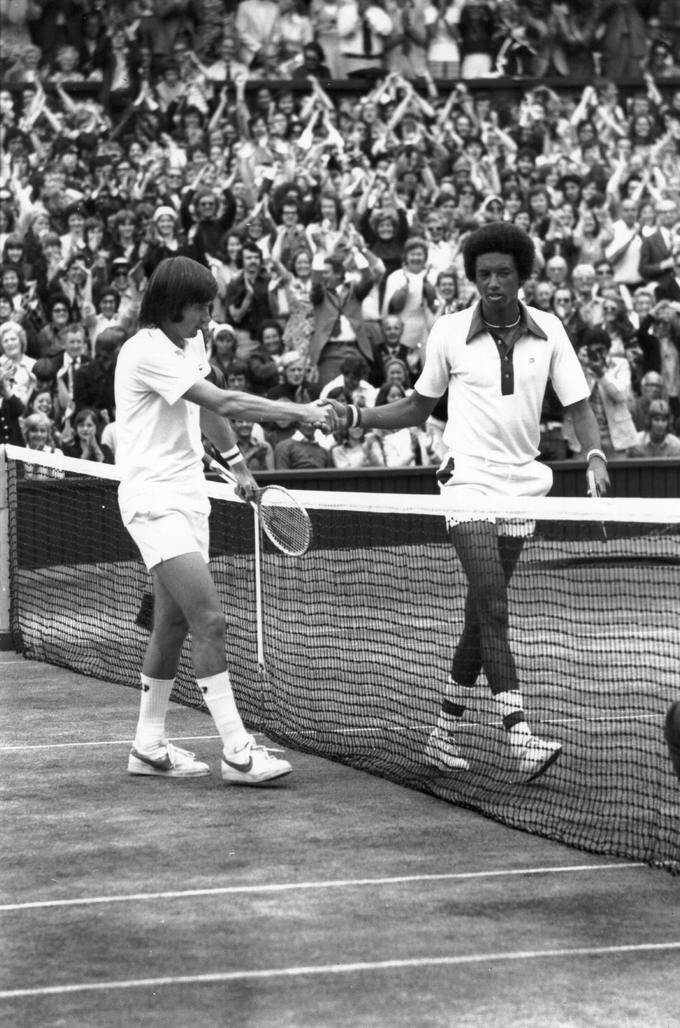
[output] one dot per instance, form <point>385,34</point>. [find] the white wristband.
<point>596,453</point>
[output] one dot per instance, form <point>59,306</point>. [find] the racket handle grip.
<point>592,484</point>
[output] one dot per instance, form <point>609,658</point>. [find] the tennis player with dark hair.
<point>164,403</point>
<point>496,359</point>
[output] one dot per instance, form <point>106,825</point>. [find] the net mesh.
<point>359,635</point>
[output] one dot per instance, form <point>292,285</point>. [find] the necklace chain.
<point>491,325</point>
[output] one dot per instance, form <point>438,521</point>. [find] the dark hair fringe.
<point>174,284</point>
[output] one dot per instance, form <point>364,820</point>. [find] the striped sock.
<point>153,707</point>
<point>219,699</point>
<point>511,709</point>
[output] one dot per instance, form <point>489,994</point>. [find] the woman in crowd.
<point>86,443</point>
<point>293,304</point>
<point>14,362</point>
<point>38,430</point>
<point>401,447</point>
<point>357,448</point>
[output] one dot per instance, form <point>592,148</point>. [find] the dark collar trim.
<point>527,322</point>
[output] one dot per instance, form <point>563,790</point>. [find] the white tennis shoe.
<point>166,761</point>
<point>441,751</point>
<point>535,757</point>
<point>253,765</point>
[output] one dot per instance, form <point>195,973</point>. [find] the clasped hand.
<point>328,415</point>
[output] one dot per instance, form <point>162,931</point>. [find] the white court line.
<point>337,883</point>
<point>372,730</point>
<point>336,969</point>
<point>99,742</point>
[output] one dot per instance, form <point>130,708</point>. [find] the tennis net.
<point>360,631</point>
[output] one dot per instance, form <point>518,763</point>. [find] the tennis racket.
<point>595,492</point>
<point>284,520</point>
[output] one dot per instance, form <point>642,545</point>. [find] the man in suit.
<point>669,285</point>
<point>93,385</point>
<point>655,254</point>
<point>339,329</point>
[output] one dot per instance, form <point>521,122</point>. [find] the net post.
<point>6,640</point>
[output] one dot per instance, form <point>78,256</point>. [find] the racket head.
<point>284,520</point>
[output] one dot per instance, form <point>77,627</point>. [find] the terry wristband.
<point>232,456</point>
<point>354,415</point>
<point>596,453</point>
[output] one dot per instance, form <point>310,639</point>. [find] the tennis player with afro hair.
<point>495,358</point>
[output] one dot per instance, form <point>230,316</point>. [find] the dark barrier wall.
<point>76,520</point>
<point>658,479</point>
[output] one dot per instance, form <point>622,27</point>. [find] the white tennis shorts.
<point>474,478</point>
<point>170,534</point>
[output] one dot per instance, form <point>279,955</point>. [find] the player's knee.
<point>209,625</point>
<point>492,608</point>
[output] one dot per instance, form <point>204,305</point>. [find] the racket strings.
<point>285,522</point>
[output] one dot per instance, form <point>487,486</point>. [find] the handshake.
<point>328,415</point>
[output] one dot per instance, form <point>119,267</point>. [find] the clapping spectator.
<point>14,362</point>
<point>12,408</point>
<point>86,443</point>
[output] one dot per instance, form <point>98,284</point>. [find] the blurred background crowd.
<point>326,161</point>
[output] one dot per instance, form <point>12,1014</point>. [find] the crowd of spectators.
<point>326,161</point>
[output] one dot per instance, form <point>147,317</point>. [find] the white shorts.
<point>169,535</point>
<point>473,479</point>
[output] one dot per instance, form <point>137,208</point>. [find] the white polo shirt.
<point>484,422</point>
<point>159,447</point>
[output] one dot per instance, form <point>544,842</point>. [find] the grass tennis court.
<point>336,899</point>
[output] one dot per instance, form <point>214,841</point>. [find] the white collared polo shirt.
<point>489,416</point>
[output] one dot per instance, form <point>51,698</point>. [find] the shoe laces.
<point>254,746</point>
<point>176,753</point>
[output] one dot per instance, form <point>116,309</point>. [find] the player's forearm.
<point>248,407</point>
<point>412,410</point>
<point>585,426</point>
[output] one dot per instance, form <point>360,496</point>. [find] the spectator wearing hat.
<point>162,238</point>
<point>656,439</point>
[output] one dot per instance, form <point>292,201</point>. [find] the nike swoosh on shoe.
<point>245,768</point>
<point>163,763</point>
